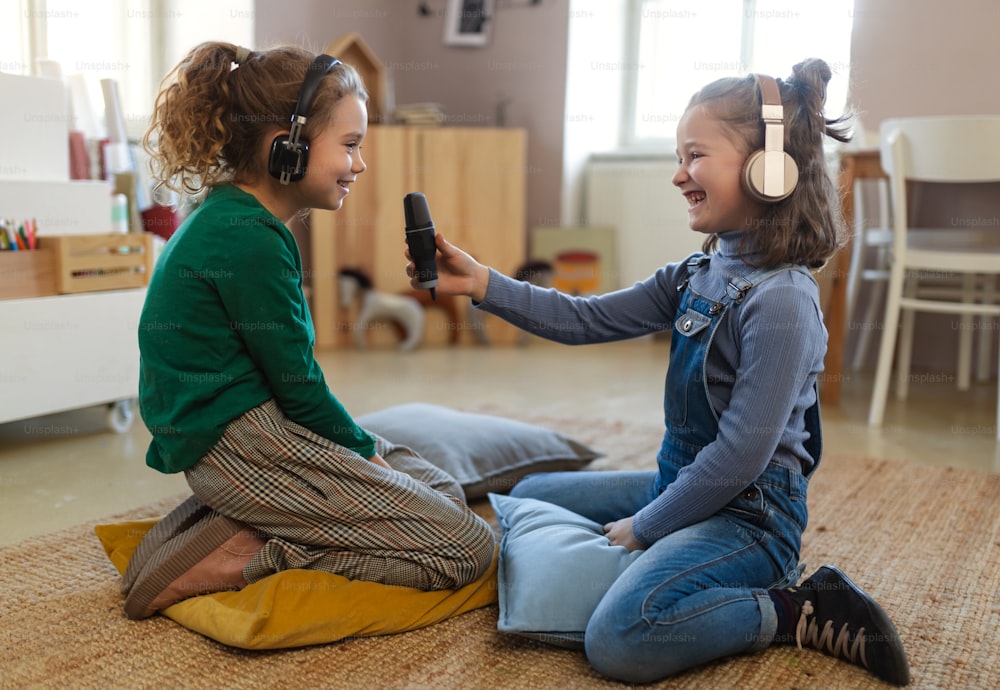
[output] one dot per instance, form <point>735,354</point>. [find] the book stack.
<point>419,114</point>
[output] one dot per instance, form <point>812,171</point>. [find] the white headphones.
<point>770,174</point>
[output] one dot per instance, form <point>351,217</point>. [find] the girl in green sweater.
<point>282,476</point>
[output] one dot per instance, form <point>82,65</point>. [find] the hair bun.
<point>809,79</point>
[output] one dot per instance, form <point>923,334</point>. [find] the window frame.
<point>628,140</point>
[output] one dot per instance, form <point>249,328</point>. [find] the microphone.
<point>420,241</point>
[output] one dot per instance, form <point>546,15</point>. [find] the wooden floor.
<point>64,469</point>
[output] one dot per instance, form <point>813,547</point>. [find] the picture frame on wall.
<point>468,22</point>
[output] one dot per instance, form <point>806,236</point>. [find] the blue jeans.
<point>697,594</point>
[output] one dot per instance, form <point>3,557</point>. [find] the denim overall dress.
<point>700,593</point>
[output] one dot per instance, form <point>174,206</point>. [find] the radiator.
<point>636,197</point>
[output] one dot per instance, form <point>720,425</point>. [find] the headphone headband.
<point>320,67</point>
<point>771,112</point>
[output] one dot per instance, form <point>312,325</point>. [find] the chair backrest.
<point>950,149</point>
<point>962,148</point>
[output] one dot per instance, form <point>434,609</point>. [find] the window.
<point>678,46</point>
<point>133,42</point>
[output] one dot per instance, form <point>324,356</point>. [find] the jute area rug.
<point>924,541</point>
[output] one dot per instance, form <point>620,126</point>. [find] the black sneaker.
<point>839,619</point>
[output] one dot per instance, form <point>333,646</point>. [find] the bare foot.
<point>219,571</point>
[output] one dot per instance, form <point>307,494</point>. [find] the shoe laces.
<point>809,632</point>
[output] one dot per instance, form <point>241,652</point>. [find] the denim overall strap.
<point>691,421</point>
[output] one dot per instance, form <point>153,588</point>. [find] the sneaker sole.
<point>173,523</point>
<point>175,558</point>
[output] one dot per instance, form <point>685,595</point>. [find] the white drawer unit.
<point>70,351</point>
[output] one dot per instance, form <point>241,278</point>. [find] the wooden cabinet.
<point>474,180</point>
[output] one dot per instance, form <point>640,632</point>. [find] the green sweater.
<point>225,328</point>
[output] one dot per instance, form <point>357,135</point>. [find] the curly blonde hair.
<point>212,117</point>
<point>807,228</point>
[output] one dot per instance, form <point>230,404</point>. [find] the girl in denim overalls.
<point>720,521</point>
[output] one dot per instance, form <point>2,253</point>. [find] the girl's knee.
<point>477,554</point>
<point>632,652</point>
<point>485,558</point>
<point>616,661</point>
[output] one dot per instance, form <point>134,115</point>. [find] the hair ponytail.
<point>190,127</point>
<point>219,105</point>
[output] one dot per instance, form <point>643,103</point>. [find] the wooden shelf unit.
<point>474,180</point>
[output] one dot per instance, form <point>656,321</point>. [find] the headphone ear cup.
<point>286,158</point>
<point>276,161</point>
<point>753,176</point>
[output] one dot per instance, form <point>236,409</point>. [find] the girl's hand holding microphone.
<point>458,273</point>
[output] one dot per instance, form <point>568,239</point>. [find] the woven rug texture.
<point>924,541</point>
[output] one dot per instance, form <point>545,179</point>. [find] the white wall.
<point>924,57</point>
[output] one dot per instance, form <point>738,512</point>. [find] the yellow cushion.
<point>295,608</point>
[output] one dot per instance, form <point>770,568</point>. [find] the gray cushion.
<point>484,453</point>
<point>555,567</point>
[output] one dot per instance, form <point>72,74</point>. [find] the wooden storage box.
<point>71,264</point>
<point>102,262</point>
<point>27,274</point>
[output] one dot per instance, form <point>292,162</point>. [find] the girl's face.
<point>335,157</point>
<point>709,175</point>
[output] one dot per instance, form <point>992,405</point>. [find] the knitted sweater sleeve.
<point>646,307</point>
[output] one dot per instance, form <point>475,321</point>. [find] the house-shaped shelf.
<point>352,50</point>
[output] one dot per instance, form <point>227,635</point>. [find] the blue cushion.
<point>482,452</point>
<point>555,567</point>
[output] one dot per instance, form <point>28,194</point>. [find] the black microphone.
<point>420,241</point>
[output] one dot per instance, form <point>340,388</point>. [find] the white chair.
<point>870,263</point>
<point>960,149</point>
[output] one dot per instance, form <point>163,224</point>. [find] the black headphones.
<point>290,152</point>
<point>770,174</point>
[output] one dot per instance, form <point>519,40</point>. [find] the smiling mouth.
<point>694,198</point>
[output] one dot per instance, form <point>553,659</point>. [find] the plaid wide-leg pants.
<point>322,506</point>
